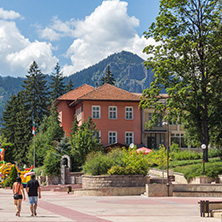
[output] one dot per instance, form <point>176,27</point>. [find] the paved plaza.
<point>58,206</point>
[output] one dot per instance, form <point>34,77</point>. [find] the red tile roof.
<point>76,93</point>
<point>110,92</point>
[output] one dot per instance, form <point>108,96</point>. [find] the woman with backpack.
<point>18,194</point>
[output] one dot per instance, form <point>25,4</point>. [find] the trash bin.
<point>69,189</point>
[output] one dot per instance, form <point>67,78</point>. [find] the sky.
<point>74,33</point>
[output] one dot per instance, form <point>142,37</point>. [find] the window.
<point>98,135</point>
<point>129,112</point>
<point>60,117</point>
<point>178,139</point>
<point>128,137</point>
<point>112,112</point>
<point>96,112</point>
<point>112,137</point>
<point>79,114</point>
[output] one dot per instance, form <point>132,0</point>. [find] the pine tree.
<point>70,86</point>
<point>57,85</point>
<point>108,77</point>
<point>23,130</point>
<point>9,119</point>
<point>36,93</point>
<point>17,127</point>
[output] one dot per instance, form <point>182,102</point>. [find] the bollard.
<point>69,189</point>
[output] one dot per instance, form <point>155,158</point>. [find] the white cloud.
<point>8,14</point>
<point>17,52</point>
<point>57,29</point>
<point>50,34</point>
<point>107,30</point>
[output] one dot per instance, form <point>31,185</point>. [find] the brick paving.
<point>61,207</point>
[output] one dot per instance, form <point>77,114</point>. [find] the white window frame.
<point>98,134</point>
<point>60,117</point>
<point>110,137</point>
<point>127,112</point>
<point>129,138</point>
<point>112,111</point>
<point>98,111</point>
<point>79,114</point>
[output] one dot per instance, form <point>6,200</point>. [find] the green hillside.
<point>128,70</point>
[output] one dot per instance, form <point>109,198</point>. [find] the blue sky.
<point>75,33</point>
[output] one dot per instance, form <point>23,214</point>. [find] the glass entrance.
<point>154,140</point>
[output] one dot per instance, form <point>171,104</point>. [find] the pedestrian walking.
<point>34,192</point>
<point>18,190</point>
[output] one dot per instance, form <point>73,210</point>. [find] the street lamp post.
<point>167,145</point>
<point>203,146</point>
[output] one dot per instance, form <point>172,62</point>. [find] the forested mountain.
<point>127,69</point>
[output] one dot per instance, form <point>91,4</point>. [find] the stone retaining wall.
<point>98,182</point>
<point>111,191</point>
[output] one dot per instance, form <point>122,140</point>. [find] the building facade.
<point>117,116</point>
<point>115,112</point>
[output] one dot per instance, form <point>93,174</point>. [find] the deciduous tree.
<point>187,62</point>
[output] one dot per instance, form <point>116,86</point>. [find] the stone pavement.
<point>58,206</point>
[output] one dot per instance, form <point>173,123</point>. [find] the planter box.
<point>98,182</point>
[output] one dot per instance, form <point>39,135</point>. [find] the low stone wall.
<point>98,182</point>
<point>197,190</point>
<point>179,178</point>
<point>158,190</point>
<point>52,180</point>
<point>111,191</point>
<point>75,177</point>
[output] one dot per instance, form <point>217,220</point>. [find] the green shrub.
<point>97,164</point>
<point>116,155</point>
<point>191,171</point>
<point>214,152</point>
<point>174,148</point>
<point>186,155</point>
<point>117,162</point>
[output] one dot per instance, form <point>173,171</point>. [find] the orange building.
<point>115,112</point>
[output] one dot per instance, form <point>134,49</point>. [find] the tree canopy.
<point>187,64</point>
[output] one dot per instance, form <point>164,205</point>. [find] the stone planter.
<point>98,182</point>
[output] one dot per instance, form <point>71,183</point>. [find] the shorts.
<point>20,198</point>
<point>33,200</point>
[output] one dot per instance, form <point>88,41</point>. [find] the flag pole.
<point>33,132</point>
<point>34,153</point>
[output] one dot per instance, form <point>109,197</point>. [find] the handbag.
<point>16,195</point>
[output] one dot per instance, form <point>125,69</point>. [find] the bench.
<point>206,207</point>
